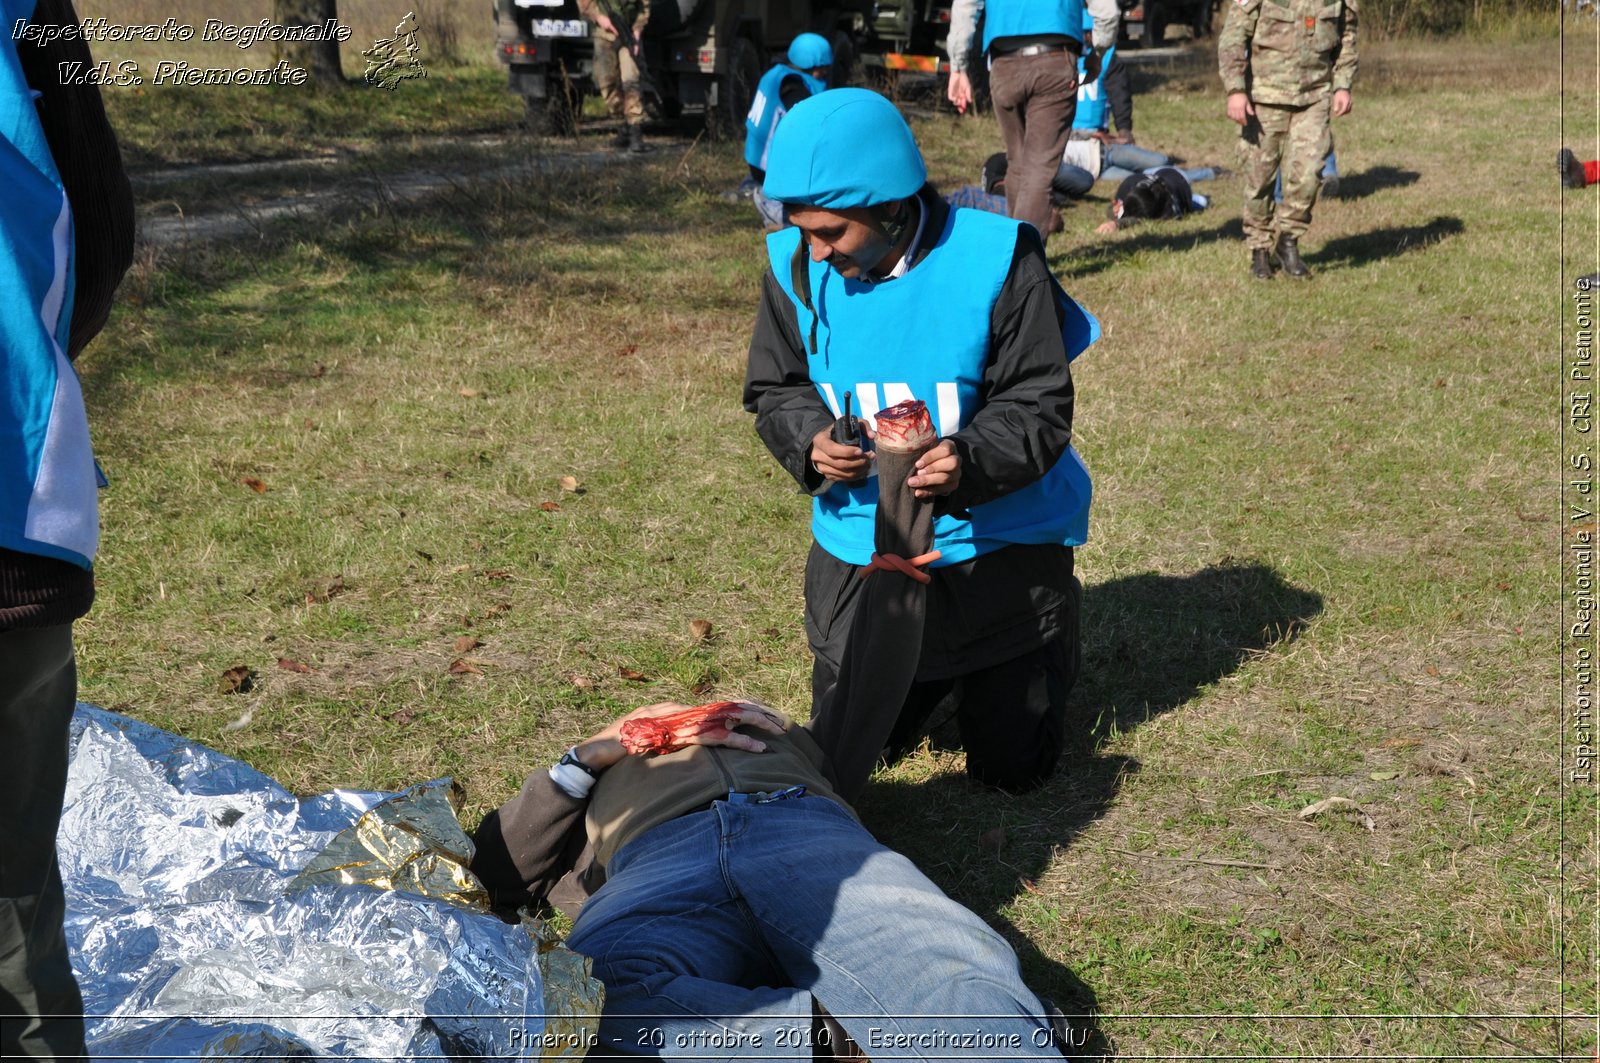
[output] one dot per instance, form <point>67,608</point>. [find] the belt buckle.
<point>764,797</point>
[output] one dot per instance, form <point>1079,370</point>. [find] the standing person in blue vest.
<point>882,290</point>
<point>786,84</point>
<point>66,237</point>
<point>1033,47</point>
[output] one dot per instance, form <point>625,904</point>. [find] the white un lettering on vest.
<point>868,401</point>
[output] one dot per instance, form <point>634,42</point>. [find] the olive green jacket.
<point>1288,52</point>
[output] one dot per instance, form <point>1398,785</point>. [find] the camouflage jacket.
<point>1288,52</point>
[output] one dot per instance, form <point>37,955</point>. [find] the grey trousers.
<point>41,1012</point>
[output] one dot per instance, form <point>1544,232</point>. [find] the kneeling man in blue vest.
<point>883,291</point>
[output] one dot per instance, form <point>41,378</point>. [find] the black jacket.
<point>996,606</point>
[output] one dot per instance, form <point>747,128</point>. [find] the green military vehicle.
<point>909,36</point>
<point>699,56</point>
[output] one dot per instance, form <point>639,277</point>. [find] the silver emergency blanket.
<point>192,938</point>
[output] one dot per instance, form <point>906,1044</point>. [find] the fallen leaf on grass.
<point>464,667</point>
<point>582,682</point>
<point>290,665</point>
<point>1399,742</point>
<point>550,507</point>
<point>569,484</point>
<point>1383,776</point>
<point>466,644</point>
<point>237,680</point>
<point>1029,885</point>
<point>334,588</point>
<point>702,686</point>
<point>700,630</point>
<point>630,674</point>
<point>318,370</point>
<point>499,575</point>
<point>470,393</point>
<point>241,722</point>
<point>992,840</point>
<point>770,632</point>
<point>403,717</point>
<point>632,348</point>
<point>1337,804</point>
<point>255,485</point>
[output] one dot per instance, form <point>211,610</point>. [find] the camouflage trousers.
<point>616,75</point>
<point>1294,140</point>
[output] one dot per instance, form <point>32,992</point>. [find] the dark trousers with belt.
<point>41,1012</point>
<point>1035,97</point>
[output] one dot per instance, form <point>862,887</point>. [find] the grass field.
<point>1326,543</point>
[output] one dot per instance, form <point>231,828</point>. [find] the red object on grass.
<point>905,426</point>
<point>663,734</point>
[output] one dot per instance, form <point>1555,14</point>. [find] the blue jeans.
<point>715,932</point>
<point>1125,160</point>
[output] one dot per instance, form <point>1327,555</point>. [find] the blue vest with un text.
<point>1029,18</point>
<point>925,335</point>
<point>1091,112</point>
<point>767,110</point>
<point>47,473</point>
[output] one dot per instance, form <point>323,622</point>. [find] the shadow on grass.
<point>1375,179</point>
<point>1151,643</point>
<point>1348,252</point>
<point>1095,258</point>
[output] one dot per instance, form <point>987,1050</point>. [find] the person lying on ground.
<point>1576,174</point>
<point>1083,163</point>
<point>739,909</point>
<point>1155,195</point>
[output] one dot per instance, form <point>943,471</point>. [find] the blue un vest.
<point>1091,112</point>
<point>47,474</point>
<point>1026,18</point>
<point>926,335</point>
<point>767,109</point>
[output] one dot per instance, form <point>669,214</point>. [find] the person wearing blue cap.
<point>1033,48</point>
<point>883,291</point>
<point>810,60</point>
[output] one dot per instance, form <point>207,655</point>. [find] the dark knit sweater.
<point>40,591</point>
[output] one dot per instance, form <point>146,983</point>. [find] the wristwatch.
<point>571,757</point>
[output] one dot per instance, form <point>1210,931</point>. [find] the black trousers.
<point>41,1013</point>
<point>1011,698</point>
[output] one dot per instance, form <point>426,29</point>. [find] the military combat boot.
<point>1571,169</point>
<point>1261,264</point>
<point>636,142</point>
<point>620,141</point>
<point>1288,252</point>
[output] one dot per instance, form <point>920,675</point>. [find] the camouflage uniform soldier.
<point>616,64</point>
<point>1285,65</point>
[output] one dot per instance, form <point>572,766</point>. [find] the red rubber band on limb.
<point>896,563</point>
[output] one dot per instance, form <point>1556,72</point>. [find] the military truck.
<point>909,36</point>
<point>699,56</point>
<point>1145,22</point>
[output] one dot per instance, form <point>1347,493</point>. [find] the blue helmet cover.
<point>843,148</point>
<point>809,51</point>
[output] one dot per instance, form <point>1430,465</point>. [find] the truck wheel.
<point>844,60</point>
<point>1155,25</point>
<point>735,91</point>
